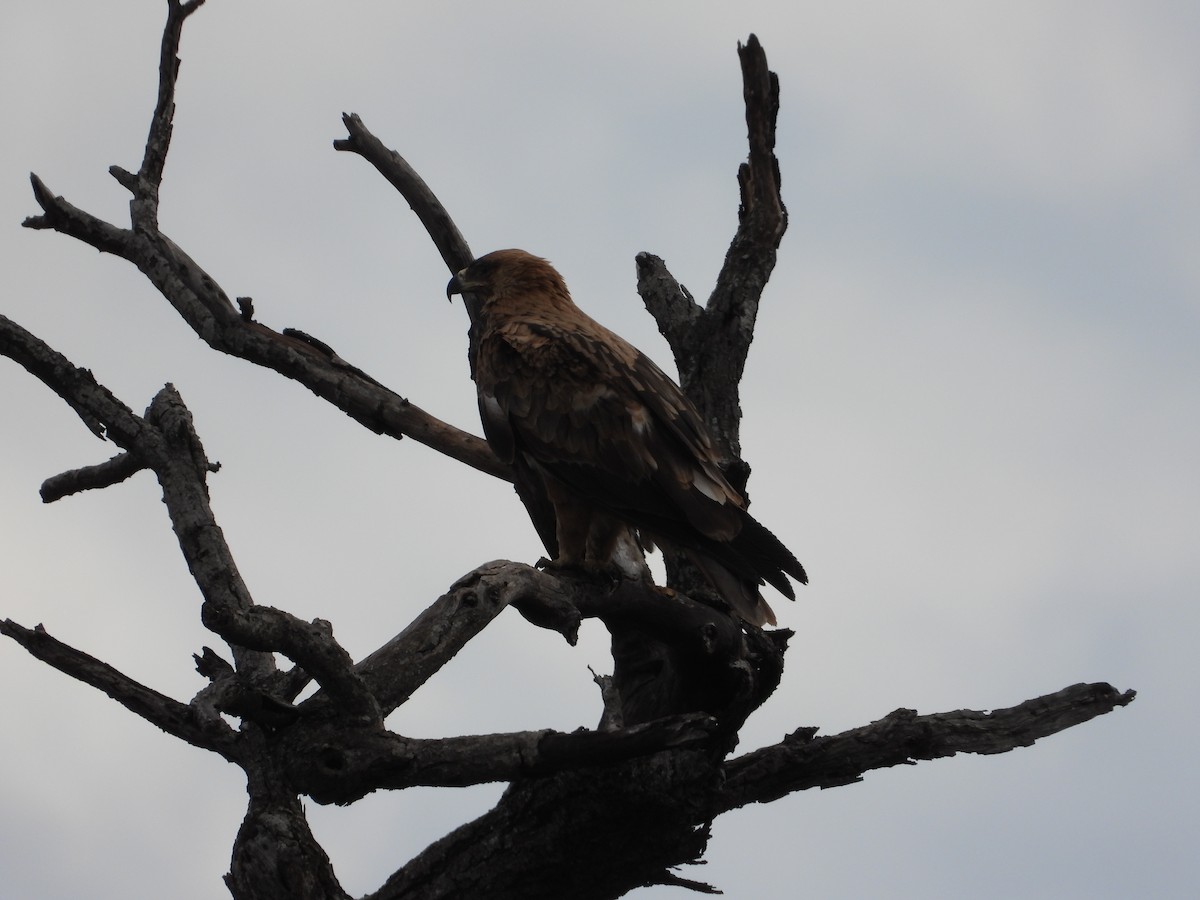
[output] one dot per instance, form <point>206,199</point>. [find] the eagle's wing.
<point>601,440</point>
<point>581,404</point>
<point>601,417</point>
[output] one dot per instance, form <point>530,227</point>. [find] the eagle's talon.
<point>559,567</point>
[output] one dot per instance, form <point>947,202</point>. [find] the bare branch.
<point>65,218</point>
<point>144,206</point>
<point>261,700</point>
<point>803,761</point>
<point>702,634</point>
<point>342,767</point>
<point>89,478</point>
<point>207,309</point>
<point>429,209</point>
<point>228,610</point>
<point>397,669</point>
<point>309,644</point>
<point>762,217</point>
<point>404,178</point>
<point>674,309</point>
<point>711,347</point>
<point>164,441</point>
<point>173,449</point>
<point>92,402</point>
<point>175,718</point>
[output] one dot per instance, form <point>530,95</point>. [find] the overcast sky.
<point>971,407</point>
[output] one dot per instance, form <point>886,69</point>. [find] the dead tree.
<point>644,786</point>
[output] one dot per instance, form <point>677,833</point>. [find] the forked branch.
<point>209,312</point>
<point>711,344</point>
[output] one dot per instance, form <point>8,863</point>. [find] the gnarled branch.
<point>802,760</point>
<point>710,345</point>
<point>333,767</point>
<point>207,309</point>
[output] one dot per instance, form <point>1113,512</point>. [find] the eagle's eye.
<point>481,269</point>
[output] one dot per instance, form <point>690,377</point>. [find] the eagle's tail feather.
<point>739,593</point>
<point>767,555</point>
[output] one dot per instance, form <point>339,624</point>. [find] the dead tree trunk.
<point>644,787</point>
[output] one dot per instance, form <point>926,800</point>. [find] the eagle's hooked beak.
<point>456,285</point>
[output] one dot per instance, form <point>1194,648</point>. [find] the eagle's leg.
<point>572,525</point>
<point>613,547</point>
<point>592,540</point>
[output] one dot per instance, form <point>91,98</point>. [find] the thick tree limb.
<point>276,855</point>
<point>762,216</point>
<point>396,670</point>
<point>333,766</point>
<point>683,655</point>
<point>802,760</point>
<point>177,719</point>
<point>588,836</point>
<point>556,601</point>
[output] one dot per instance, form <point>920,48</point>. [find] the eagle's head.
<point>508,274</point>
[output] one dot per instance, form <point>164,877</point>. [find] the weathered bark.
<point>803,760</point>
<point>275,854</point>
<point>645,786</point>
<point>589,836</point>
<point>710,344</point>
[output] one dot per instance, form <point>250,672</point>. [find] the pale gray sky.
<point>970,408</point>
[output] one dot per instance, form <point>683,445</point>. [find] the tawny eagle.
<point>602,441</point>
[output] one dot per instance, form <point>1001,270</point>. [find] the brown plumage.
<point>602,441</point>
